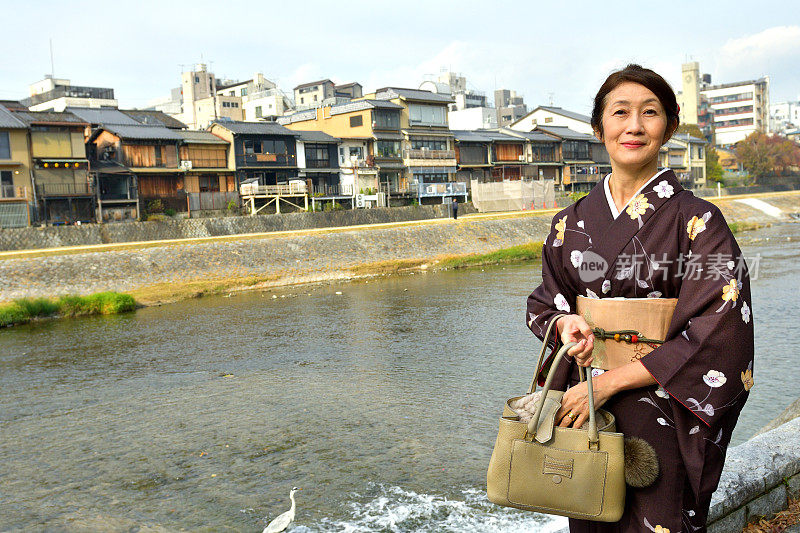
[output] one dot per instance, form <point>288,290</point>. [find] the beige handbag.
<point>539,466</point>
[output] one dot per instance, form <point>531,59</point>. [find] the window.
<point>431,177</point>
<point>432,115</point>
<point>159,158</point>
<point>302,101</point>
<point>356,121</point>
<point>547,120</point>
<point>428,144</point>
<point>197,79</point>
<point>258,111</point>
<point>387,149</point>
<point>232,93</point>
<point>244,91</point>
<point>575,150</point>
<point>5,146</point>
<point>250,147</point>
<point>315,97</point>
<point>386,119</point>
<point>208,183</point>
<point>356,151</point>
<point>317,156</point>
<point>543,152</point>
<point>6,184</point>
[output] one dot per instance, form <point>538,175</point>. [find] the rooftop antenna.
<point>550,96</point>
<point>52,62</point>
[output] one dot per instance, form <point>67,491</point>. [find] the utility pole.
<point>52,63</point>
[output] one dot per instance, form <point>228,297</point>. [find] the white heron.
<point>283,520</point>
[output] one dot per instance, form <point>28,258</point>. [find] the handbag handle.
<point>594,438</point>
<point>542,351</point>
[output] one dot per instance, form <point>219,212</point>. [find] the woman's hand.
<point>573,328</point>
<point>575,401</point>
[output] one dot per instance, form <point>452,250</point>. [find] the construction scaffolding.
<point>513,195</point>
<point>273,194</point>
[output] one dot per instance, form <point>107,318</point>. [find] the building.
<point>784,117</point>
<point>350,90</point>
<point>370,143</point>
<point>261,99</point>
<point>318,164</point>
<point>59,167</point>
<point>727,112</point>
<point>584,158</point>
<point>542,153</point>
<point>692,172</point>
<point>473,118</point>
<point>554,116</point>
<point>17,197</point>
<point>428,144</point>
<point>262,151</point>
<point>58,94</point>
<point>510,107</point>
<point>469,110</point>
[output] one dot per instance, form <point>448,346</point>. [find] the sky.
<point>547,51</point>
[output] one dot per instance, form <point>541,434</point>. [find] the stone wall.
<point>86,234</point>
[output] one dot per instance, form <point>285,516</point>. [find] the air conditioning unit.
<point>186,165</point>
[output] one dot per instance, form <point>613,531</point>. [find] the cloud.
<point>772,51</point>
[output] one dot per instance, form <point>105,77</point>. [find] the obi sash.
<point>642,323</point>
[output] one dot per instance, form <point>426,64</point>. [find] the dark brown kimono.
<point>667,243</point>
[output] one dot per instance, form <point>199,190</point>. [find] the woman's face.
<point>634,126</point>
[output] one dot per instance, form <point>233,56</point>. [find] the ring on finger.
<point>572,416</point>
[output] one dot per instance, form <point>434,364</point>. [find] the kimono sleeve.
<point>554,297</point>
<point>707,362</point>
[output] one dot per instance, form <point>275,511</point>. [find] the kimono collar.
<point>640,209</point>
<point>612,206</point>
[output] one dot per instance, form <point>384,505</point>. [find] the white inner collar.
<point>611,205</point>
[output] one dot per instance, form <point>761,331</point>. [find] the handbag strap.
<point>594,438</point>
<point>542,351</point>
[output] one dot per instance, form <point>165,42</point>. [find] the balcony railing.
<point>63,189</point>
<point>429,154</point>
<point>265,160</point>
<point>675,160</point>
<point>71,91</point>
<point>294,188</point>
<point>443,189</point>
<point>8,192</point>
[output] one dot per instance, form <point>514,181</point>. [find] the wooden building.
<point>62,188</point>
<point>16,190</point>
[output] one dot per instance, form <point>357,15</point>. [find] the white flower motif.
<point>655,265</point>
<point>576,257</point>
<point>664,189</point>
<point>745,313</point>
<point>715,378</point>
<point>730,265</point>
<point>625,273</point>
<point>580,224</point>
<point>531,319</point>
<point>694,430</point>
<point>606,286</point>
<point>597,371</point>
<point>661,421</point>
<point>661,393</point>
<point>654,294</point>
<point>561,303</point>
<point>591,294</point>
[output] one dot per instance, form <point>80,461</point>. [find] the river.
<point>379,399</point>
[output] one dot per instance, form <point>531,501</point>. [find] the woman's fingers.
<point>582,418</point>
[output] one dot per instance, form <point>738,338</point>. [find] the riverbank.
<point>167,271</point>
<point>26,310</point>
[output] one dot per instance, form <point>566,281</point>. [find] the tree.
<point>757,155</point>
<point>691,129</point>
<point>714,170</point>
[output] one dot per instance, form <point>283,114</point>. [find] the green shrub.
<point>575,196</point>
<point>155,206</point>
<point>170,212</point>
<point>157,218</point>
<point>103,303</point>
<point>232,205</point>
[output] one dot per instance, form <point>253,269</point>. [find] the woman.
<point>656,240</point>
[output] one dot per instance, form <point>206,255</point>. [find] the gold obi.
<point>642,324</point>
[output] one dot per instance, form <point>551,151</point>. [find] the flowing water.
<point>379,399</point>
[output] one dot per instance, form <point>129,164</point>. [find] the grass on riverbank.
<point>738,227</point>
<point>163,293</point>
<point>26,309</point>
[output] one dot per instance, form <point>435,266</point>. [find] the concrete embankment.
<point>289,257</point>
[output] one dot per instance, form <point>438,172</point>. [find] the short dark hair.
<point>643,76</point>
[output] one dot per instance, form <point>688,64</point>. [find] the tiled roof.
<point>471,136</point>
<point>312,83</point>
<point>495,135</point>
<point>200,137</point>
<point>316,137</point>
<point>685,137</point>
<point>566,133</point>
<point>565,113</point>
<point>102,115</point>
<point>358,105</point>
<point>48,117</point>
<point>255,128</point>
<point>155,118</point>
<point>531,135</point>
<point>142,132</point>
<point>9,121</point>
<point>387,93</point>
